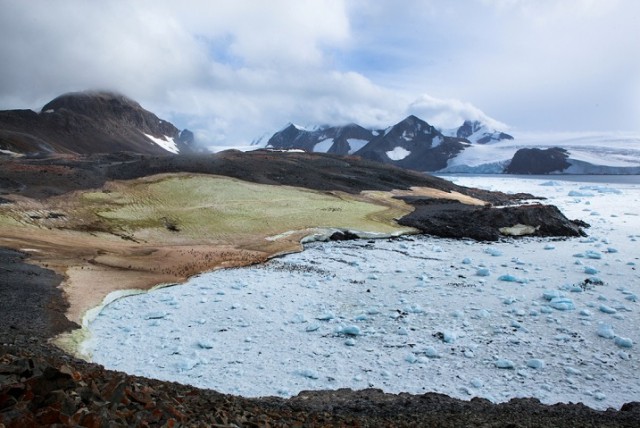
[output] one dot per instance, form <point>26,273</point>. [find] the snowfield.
<point>555,319</point>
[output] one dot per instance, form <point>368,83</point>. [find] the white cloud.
<point>450,113</point>
<point>235,69</point>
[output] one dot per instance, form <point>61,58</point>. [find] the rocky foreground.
<point>41,385</point>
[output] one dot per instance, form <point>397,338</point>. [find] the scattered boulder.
<point>343,236</point>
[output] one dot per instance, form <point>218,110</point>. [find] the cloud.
<point>450,113</point>
<point>233,70</point>
<point>258,101</point>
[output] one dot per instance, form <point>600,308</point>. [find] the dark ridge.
<point>46,176</point>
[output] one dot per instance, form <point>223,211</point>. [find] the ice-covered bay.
<point>552,319</point>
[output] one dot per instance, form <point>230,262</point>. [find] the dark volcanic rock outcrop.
<point>538,161</point>
<point>451,219</point>
<point>89,122</point>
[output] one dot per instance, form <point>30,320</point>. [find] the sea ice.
<point>483,272</point>
<point>562,304</point>
<point>502,363</point>
<point>593,254</point>
<point>511,278</point>
<point>155,315</point>
<point>431,352</point>
<point>312,327</point>
<point>325,316</point>
<point>477,383</point>
<point>575,193</point>
<point>351,330</point>
<point>308,373</point>
<point>449,336</point>
<point>607,309</point>
<point>606,331</point>
<point>494,252</point>
<point>623,342</point>
<point>551,294</point>
<point>535,363</point>
<point>572,371</point>
<point>411,358</point>
<point>205,344</point>
<point>186,364</point>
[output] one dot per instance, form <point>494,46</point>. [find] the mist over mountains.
<point>105,122</point>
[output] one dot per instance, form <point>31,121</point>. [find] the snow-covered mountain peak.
<point>477,132</point>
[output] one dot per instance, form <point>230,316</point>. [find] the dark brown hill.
<point>90,122</point>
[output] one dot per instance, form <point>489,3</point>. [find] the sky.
<point>233,71</point>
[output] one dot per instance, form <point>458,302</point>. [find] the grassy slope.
<point>223,208</point>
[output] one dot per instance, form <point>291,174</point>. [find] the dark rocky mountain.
<point>538,161</point>
<point>339,140</point>
<point>479,133</point>
<point>413,144</point>
<point>90,122</point>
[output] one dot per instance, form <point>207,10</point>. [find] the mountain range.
<point>473,147</point>
<point>411,143</point>
<point>106,122</point>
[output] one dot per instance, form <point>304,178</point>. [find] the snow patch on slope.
<point>323,146</point>
<point>437,141</point>
<point>166,143</point>
<point>356,144</point>
<point>398,153</point>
